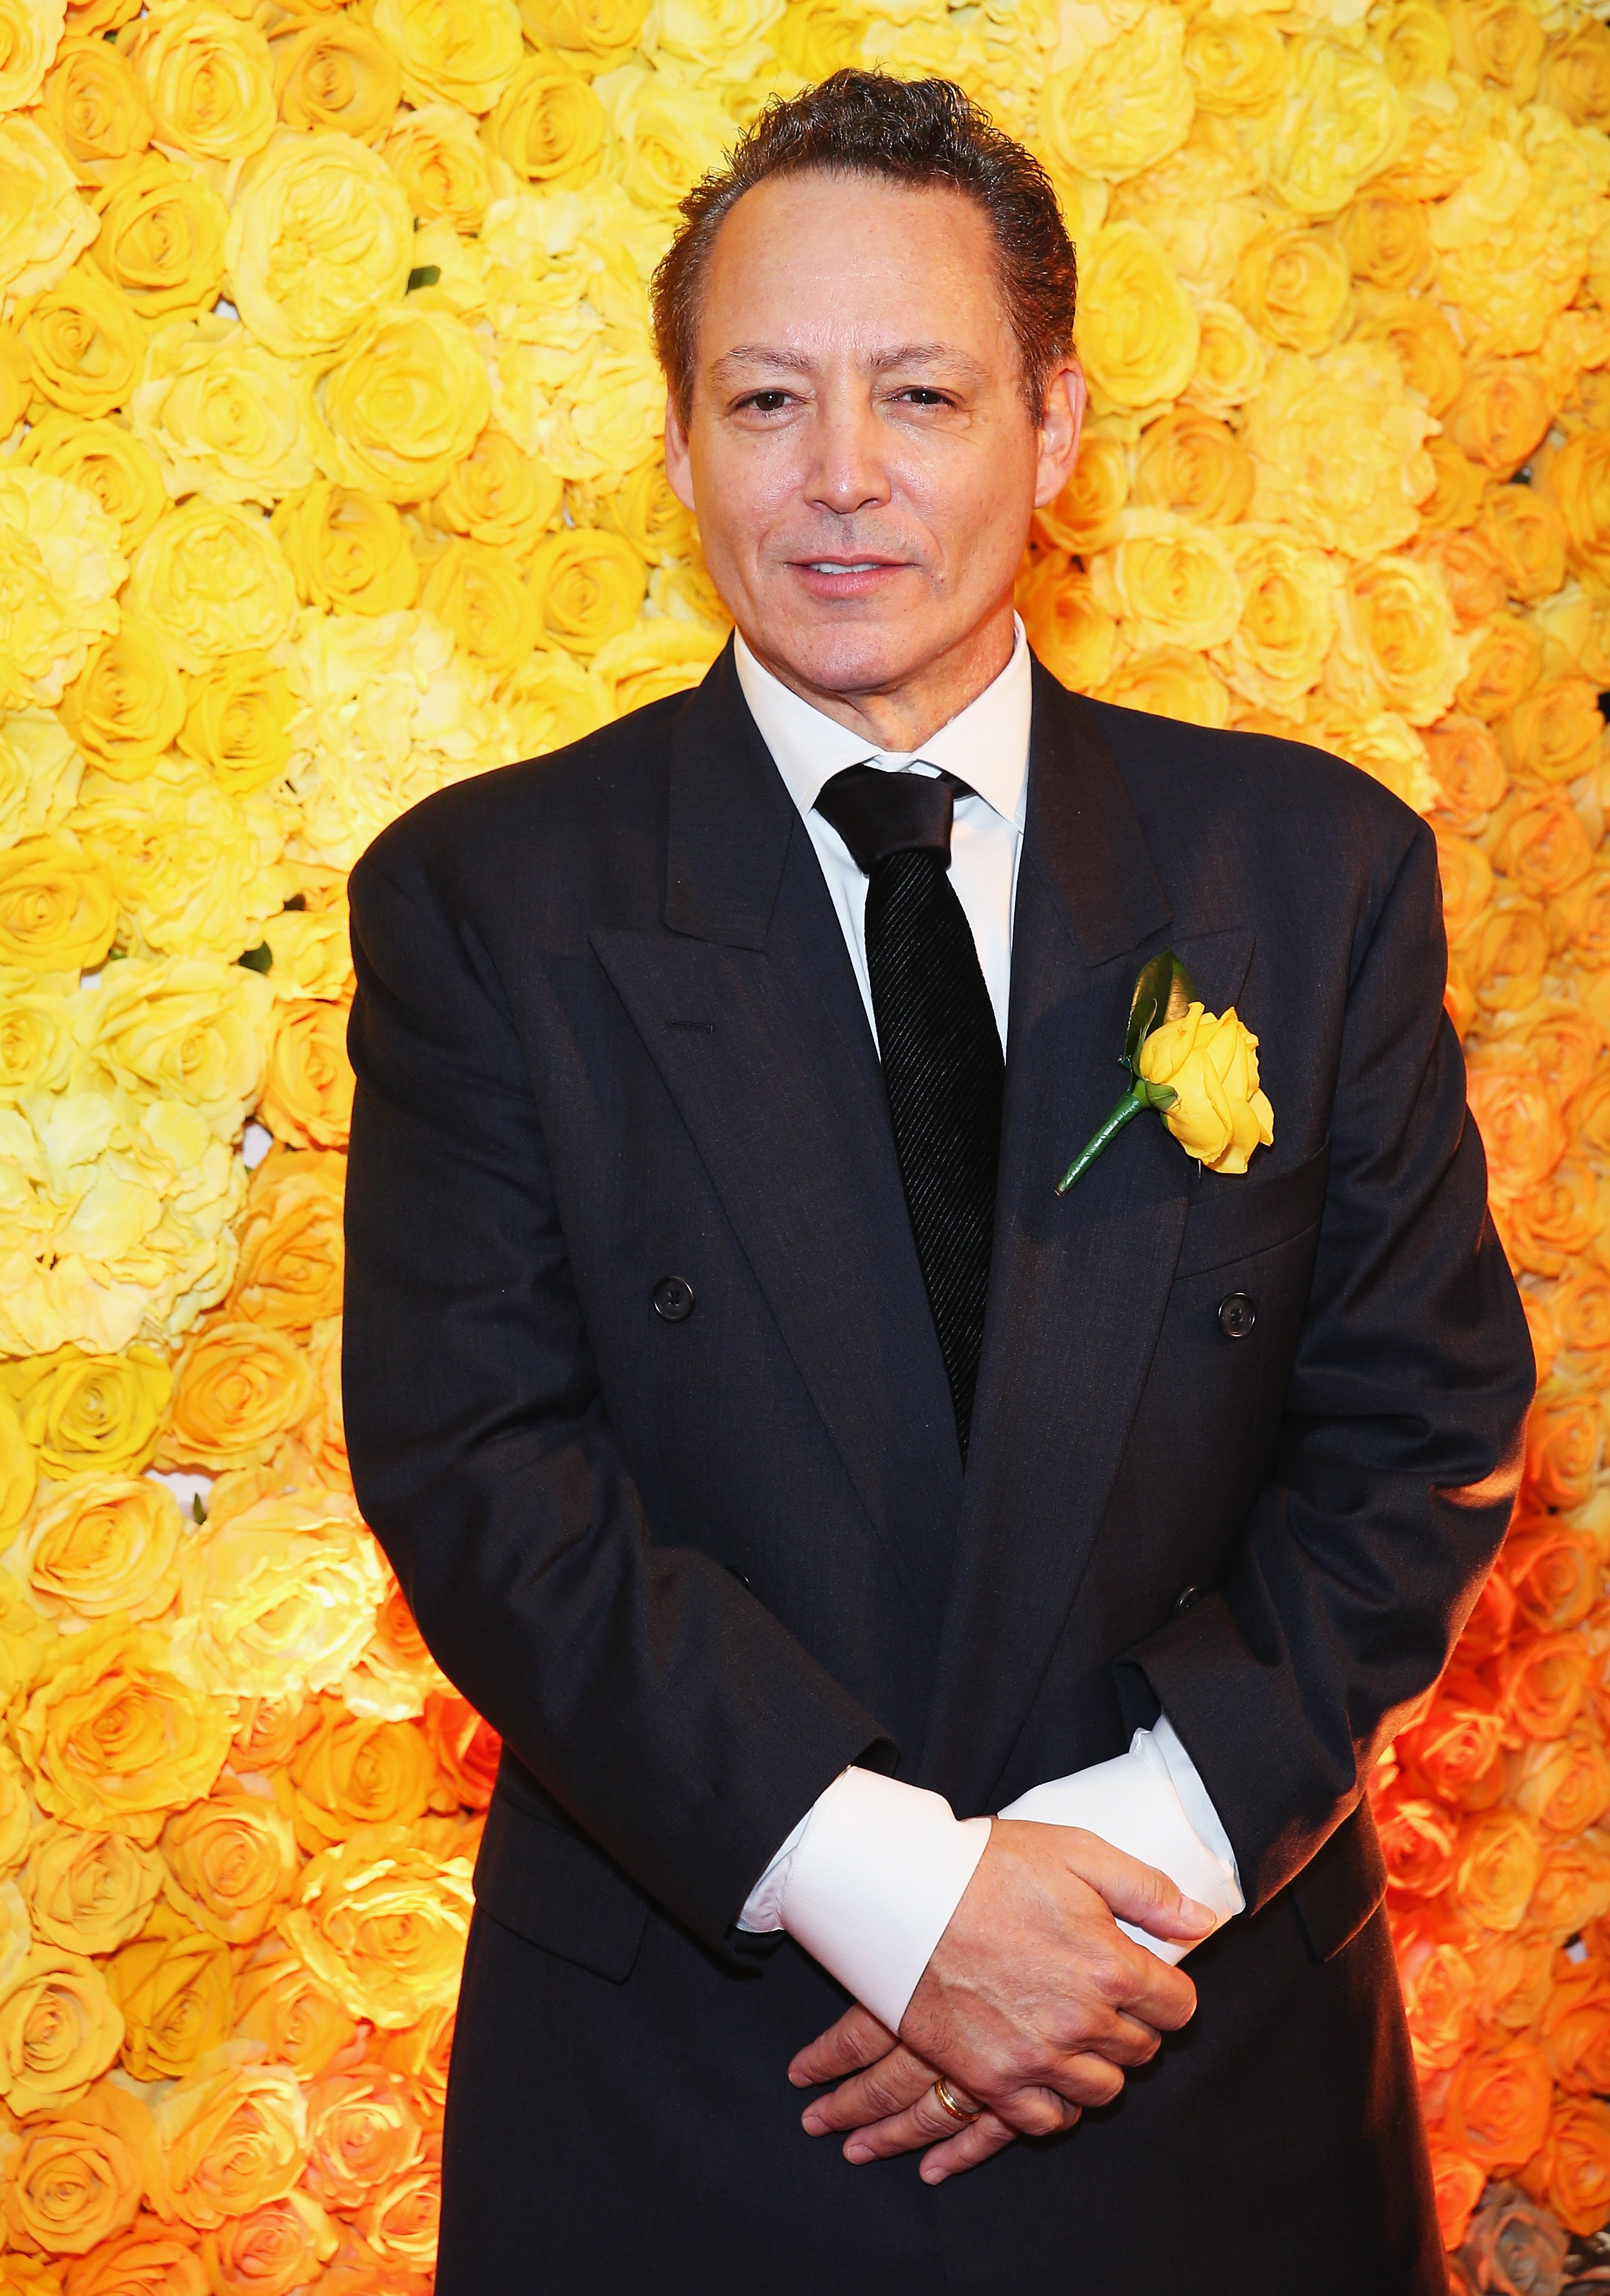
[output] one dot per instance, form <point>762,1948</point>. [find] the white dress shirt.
<point>867,1879</point>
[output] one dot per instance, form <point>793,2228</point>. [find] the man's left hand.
<point>887,2102</point>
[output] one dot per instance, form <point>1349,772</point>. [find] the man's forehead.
<point>806,356</point>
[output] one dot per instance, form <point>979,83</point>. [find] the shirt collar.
<point>984,745</point>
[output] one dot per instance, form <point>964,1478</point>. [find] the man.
<point>795,1479</point>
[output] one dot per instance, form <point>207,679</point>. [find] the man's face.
<point>860,456</point>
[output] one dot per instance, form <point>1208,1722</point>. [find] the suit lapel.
<point>749,1009</point>
<point>1078,1283</point>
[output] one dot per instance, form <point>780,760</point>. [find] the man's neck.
<point>902,714</point>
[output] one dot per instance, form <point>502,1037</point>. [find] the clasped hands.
<point>1031,2006</point>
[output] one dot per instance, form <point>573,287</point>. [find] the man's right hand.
<point>1033,2000</point>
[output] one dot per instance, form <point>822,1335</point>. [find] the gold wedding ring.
<point>946,2102</point>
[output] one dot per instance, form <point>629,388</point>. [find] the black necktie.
<point>942,1061</point>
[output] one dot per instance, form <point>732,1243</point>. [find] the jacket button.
<point>742,1577</point>
<point>1237,1315</point>
<point>673,1300</point>
<point>1186,1596</point>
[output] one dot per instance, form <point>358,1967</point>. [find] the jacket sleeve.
<point>662,1706</point>
<point>1401,1448</point>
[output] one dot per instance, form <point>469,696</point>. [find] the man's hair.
<point>916,132</point>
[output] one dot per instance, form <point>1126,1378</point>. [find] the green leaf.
<point>1165,991</point>
<point>258,959</point>
<point>198,1511</point>
<point>423,275</point>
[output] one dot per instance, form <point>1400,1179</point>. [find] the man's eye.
<point>767,402</point>
<point>918,394</point>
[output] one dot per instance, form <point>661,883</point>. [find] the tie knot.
<point>878,813</point>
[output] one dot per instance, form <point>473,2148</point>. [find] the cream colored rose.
<point>401,406</point>
<point>1396,646</point>
<point>60,565</point>
<point>232,1862</point>
<point>40,771</point>
<point>88,1892</point>
<point>190,867</point>
<point>451,51</point>
<point>1219,1115</point>
<point>1277,651</point>
<point>219,413</point>
<point>1338,450</point>
<point>106,462</point>
<point>1200,204</point>
<point>60,2029</point>
<point>1345,122</point>
<point>320,237</point>
<point>1123,105</point>
<point>43,223</point>
<point>108,1547</point>
<point>441,164</point>
<point>383,1923</point>
<point>1138,334</point>
<point>1167,582</point>
<point>283,1597</point>
<point>665,136</point>
<point>211,580</point>
<point>230,2137</point>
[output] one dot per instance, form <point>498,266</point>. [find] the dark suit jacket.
<point>607,1032</point>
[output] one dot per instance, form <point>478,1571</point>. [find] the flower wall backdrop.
<point>328,473</point>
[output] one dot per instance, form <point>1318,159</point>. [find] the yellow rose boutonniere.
<point>1199,1070</point>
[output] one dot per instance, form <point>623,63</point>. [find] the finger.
<point>921,2125</point>
<point>967,2149</point>
<point>895,2082</point>
<point>1086,2078</point>
<point>1036,2111</point>
<point>1148,1991</point>
<point>1122,2040</point>
<point>1135,1891</point>
<point>857,2040</point>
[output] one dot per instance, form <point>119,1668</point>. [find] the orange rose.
<point>401,2221</point>
<point>88,1892</point>
<point>1439,1993</point>
<point>1565,1444</point>
<point>1579,919</point>
<point>174,1992</point>
<point>1581,1311</point>
<point>238,1386</point>
<point>307,1098</point>
<point>1467,885</point>
<point>1500,1858</point>
<point>292,1254</point>
<point>1575,77</point>
<point>230,2140</point>
<point>1459,2184</point>
<point>1522,1129</point>
<point>421,2053</point>
<point>75,2180</point>
<point>1574,2031</point>
<point>1571,2173</point>
<point>1554,1571</point>
<point>280,2244</point>
<point>1506,661</point>
<point>1497,2106</point>
<point>1577,480</point>
<point>1487,1630</point>
<point>1457,1751</point>
<point>1567,1045</point>
<point>1553,1224</point>
<point>1553,733</point>
<point>1509,952</point>
<point>1467,768</point>
<point>1540,1322</point>
<point>1565,1783</point>
<point>350,1771</point>
<point>1502,412</point>
<point>232,1862</point>
<point>383,1923</point>
<point>1428,349</point>
<point>150,2255</point>
<point>1195,465</point>
<point>1455,500</point>
<point>1075,638</point>
<point>362,2133</point>
<point>1537,839</point>
<point>1529,537</point>
<point>298,2020</point>
<point>1471,574</point>
<point>59,2030</point>
<point>1417,1839</point>
<point>1387,240</point>
<point>1574,1889</point>
<point>466,1748</point>
<point>1514,1972</point>
<point>1541,1686</point>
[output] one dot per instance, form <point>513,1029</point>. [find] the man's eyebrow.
<point>765,355</point>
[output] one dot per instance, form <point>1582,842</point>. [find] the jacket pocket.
<point>556,1890</point>
<point>1340,1885</point>
<point>1233,1215</point>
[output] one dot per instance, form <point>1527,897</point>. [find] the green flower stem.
<point>1133,1101</point>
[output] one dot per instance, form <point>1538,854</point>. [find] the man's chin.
<point>860,658</point>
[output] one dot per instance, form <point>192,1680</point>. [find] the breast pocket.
<point>1238,1215</point>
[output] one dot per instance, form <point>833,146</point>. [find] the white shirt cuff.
<point>867,1882</point>
<point>1151,1803</point>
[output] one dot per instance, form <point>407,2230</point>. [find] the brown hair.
<point>918,132</point>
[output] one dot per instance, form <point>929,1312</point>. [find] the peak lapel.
<point>749,1009</point>
<point>1078,1283</point>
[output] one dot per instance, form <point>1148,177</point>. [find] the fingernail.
<point>934,2176</point>
<point>1202,1916</point>
<point>857,2152</point>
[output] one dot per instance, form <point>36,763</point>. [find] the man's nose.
<point>848,472</point>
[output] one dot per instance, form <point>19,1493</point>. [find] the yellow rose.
<point>1344,122</point>
<point>588,584</point>
<point>283,1597</point>
<point>96,108</point>
<point>1387,240</point>
<point>1123,106</point>
<point>114,1739</point>
<point>1200,204</point>
<point>1499,41</point>
<point>238,722</point>
<point>1236,64</point>
<point>313,946</point>
<point>1576,76</point>
<point>473,589</point>
<point>108,1547</point>
<point>1170,681</point>
<point>238,1388</point>
<point>82,1411</point>
<point>211,579</point>
<point>348,550</point>
<point>297,2021</point>
<point>1230,360</point>
<point>1337,450</point>
<point>548,125</point>
<point>189,1029</point>
<point>1528,536</point>
<point>1277,651</point>
<point>1514,241</point>
<point>207,77</point>
<point>1074,636</point>
<point>88,1892</point>
<point>320,237</point>
<point>653,658</point>
<point>1086,515</point>
<point>232,1861</point>
<point>161,238</point>
<point>174,1991</point>
<point>1137,332</point>
<point>18,1471</point>
<point>337,75</point>
<point>1427,349</point>
<point>1415,44</point>
<point>552,700</point>
<point>1396,645</point>
<point>1195,466</point>
<point>219,413</point>
<point>110,465</point>
<point>504,497</point>
<point>604,422</point>
<point>401,406</point>
<point>16,382</point>
<point>1383,745</point>
<point>383,1924</point>
<point>191,867</point>
<point>43,223</point>
<point>659,528</point>
<point>1219,1116</point>
<point>29,33</point>
<point>40,774</point>
<point>57,910</point>
<point>126,706</point>
<point>60,2029</point>
<point>1167,582</point>
<point>1577,481</point>
<point>591,33</point>
<point>1506,661</point>
<point>75,2182</point>
<point>441,164</point>
<point>308,1085</point>
<point>84,346</point>
<point>350,1771</point>
<point>665,136</point>
<point>230,2139</point>
<point>1553,733</point>
<point>451,51</point>
<point>1292,283</point>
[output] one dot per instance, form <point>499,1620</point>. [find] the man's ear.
<point>679,462</point>
<point>1061,418</point>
